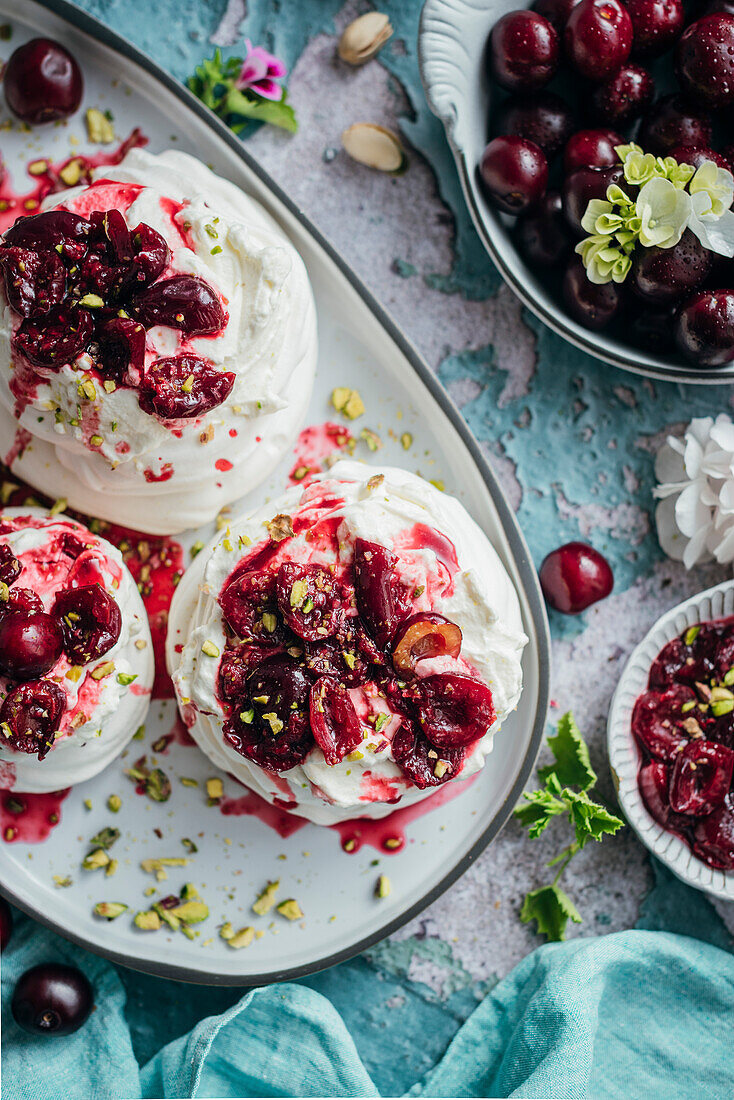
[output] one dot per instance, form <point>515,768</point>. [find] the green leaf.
<point>539,809</point>
<point>551,909</point>
<point>572,767</point>
<point>590,820</point>
<point>277,113</point>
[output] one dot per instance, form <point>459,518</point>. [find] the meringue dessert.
<point>76,657</point>
<point>157,344</point>
<point>349,647</point>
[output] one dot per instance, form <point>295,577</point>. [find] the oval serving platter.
<point>452,56</point>
<point>236,852</point>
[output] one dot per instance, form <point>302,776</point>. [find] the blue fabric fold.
<point>637,1013</point>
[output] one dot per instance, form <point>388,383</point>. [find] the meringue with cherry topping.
<point>349,647</point>
<point>157,344</point>
<point>76,657</point>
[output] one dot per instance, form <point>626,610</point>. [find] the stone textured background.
<point>572,440</point>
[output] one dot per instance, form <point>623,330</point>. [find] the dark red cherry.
<point>52,999</point>
<point>543,118</point>
<point>704,328</point>
<point>150,256</point>
<point>583,185</point>
<point>555,11</point>
<point>725,6</point>
<point>272,725</point>
<point>424,764</point>
<point>182,302</point>
<point>42,82</point>
<point>34,281</point>
<point>90,620</point>
<point>30,644</point>
<point>426,634</point>
<point>183,386</point>
<point>334,721</point>
<point>656,24</point>
<point>120,348</point>
<point>10,566</point>
<point>21,599</point>
<point>704,60</point>
<point>43,232</point>
<point>713,837</point>
<point>698,155</point>
<point>342,659</point>
<point>118,236</point>
<point>543,237</point>
<point>657,720</point>
<point>574,577</point>
<point>653,780</point>
<point>701,777</point>
<point>673,120</point>
<point>33,712</point>
<point>598,38</point>
<point>55,339</point>
<point>513,173</point>
<point>454,710</point>
<point>591,149</point>
<point>312,603</point>
<point>652,330</point>
<point>6,924</point>
<point>235,668</point>
<point>624,96</point>
<point>249,604</point>
<point>593,305</point>
<point>523,51</point>
<point>664,275</point>
<point>383,601</point>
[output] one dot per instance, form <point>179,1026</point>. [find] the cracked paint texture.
<point>572,440</point>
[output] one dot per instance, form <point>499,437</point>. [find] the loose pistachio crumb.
<point>99,128</point>
<point>382,887</point>
<point>290,909</point>
<point>210,649</point>
<point>87,803</point>
<point>111,868</point>
<point>243,938</point>
<point>371,438</point>
<point>406,440</point>
<point>266,899</point>
<point>139,733</point>
<point>196,548</point>
<point>348,402</point>
<point>95,860</point>
<point>148,920</point>
<point>392,843</point>
<point>62,880</point>
<point>226,931</point>
<point>214,791</point>
<point>187,781</point>
<point>191,912</point>
<point>109,909</point>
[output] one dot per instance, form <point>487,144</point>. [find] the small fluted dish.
<point>452,56</point>
<point>624,755</point>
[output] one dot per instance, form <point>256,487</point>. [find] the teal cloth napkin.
<point>632,1014</point>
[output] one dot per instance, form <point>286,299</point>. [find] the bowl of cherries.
<point>595,145</point>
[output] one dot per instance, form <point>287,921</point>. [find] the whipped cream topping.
<point>440,550</point>
<point>101,713</point>
<point>103,453</point>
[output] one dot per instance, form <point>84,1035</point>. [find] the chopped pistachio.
<point>111,868</point>
<point>71,173</point>
<point>376,481</point>
<point>719,693</point>
<point>226,931</point>
<point>298,593</point>
<point>437,484</point>
<point>300,472</point>
<point>187,781</point>
<point>62,880</point>
<point>189,844</point>
<point>99,128</point>
<point>214,790</point>
<point>729,678</point>
<point>348,402</point>
<point>167,916</point>
<point>149,891</point>
<point>290,909</point>
<point>139,733</point>
<point>189,891</point>
<point>87,803</point>
<point>101,672</point>
<point>248,716</point>
<point>110,909</point>
<point>280,527</point>
<point>156,866</point>
<point>126,678</point>
<point>382,887</point>
<point>689,706</point>
<point>723,706</point>
<point>440,768</point>
<point>58,507</point>
<point>349,845</point>
<point>243,938</point>
<point>91,301</point>
<point>196,548</point>
<point>191,912</point>
<point>209,649</point>
<point>148,920</point>
<point>393,842</point>
<point>95,860</point>
<point>266,899</point>
<point>96,440</point>
<point>38,167</point>
<point>691,634</point>
<point>269,621</point>
<point>371,438</point>
<point>406,440</point>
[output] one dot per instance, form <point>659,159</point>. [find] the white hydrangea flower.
<point>664,212</point>
<point>695,516</point>
<point>712,193</point>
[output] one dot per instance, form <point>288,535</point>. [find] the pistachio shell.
<point>374,146</point>
<point>363,38</point>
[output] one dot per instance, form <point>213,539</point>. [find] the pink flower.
<point>259,72</point>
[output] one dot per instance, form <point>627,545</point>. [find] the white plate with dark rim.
<point>624,755</point>
<point>359,345</point>
<point>452,56</point>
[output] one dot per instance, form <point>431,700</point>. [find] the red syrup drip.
<point>17,204</point>
<point>29,818</point>
<point>178,735</point>
<point>354,833</point>
<point>314,444</point>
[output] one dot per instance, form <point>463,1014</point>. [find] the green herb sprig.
<point>213,83</point>
<point>565,792</point>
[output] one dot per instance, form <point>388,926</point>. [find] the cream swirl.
<point>433,538</point>
<point>92,443</point>
<point>107,699</point>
